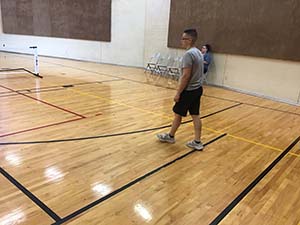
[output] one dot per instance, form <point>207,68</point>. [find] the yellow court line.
<point>255,143</point>
<point>212,130</point>
<point>252,142</point>
<point>294,154</point>
<point>120,103</point>
<point>169,117</point>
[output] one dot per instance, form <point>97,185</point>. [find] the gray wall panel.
<point>77,19</point>
<point>269,28</point>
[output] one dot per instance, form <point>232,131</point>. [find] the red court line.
<point>37,128</point>
<point>66,110</point>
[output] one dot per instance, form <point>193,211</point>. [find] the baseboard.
<point>257,94</point>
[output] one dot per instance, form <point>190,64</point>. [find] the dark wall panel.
<point>264,28</point>
<point>77,19</point>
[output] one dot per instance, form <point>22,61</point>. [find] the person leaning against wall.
<point>187,98</point>
<point>206,51</point>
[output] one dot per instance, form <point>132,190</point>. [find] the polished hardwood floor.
<point>79,147</point>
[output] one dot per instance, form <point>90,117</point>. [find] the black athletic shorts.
<point>188,101</point>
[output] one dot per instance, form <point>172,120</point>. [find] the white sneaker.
<point>194,145</point>
<point>165,137</point>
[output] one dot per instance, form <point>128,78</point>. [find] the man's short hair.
<point>193,33</point>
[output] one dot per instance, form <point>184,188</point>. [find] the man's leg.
<point>169,137</point>
<point>196,143</point>
<point>176,123</point>
<point>197,127</point>
<point>179,109</point>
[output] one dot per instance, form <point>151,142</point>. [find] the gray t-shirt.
<point>193,58</point>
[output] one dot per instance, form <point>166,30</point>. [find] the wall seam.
<point>224,72</point>
<point>145,26</point>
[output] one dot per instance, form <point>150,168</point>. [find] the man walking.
<point>189,91</point>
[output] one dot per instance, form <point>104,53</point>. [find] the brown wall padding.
<point>264,28</point>
<point>77,19</point>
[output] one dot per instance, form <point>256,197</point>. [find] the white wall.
<point>275,79</point>
<point>126,46</point>
<point>156,29</point>
<point>140,29</point>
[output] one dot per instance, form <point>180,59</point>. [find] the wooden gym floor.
<point>79,147</point>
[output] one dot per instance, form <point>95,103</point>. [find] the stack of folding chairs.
<point>168,67</point>
<point>164,66</point>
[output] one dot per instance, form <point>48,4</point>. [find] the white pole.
<point>35,60</point>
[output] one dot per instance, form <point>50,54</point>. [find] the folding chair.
<point>204,78</point>
<point>174,70</point>
<point>162,65</point>
<point>152,64</point>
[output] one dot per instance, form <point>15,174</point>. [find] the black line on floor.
<point>41,89</point>
<point>110,135</point>
<point>67,85</point>
<point>33,198</point>
<point>239,198</point>
<point>21,69</point>
<point>222,110</point>
<point>5,92</point>
<point>60,86</point>
<point>249,104</point>
<point>128,185</point>
<point>9,95</point>
<point>31,92</point>
<point>34,74</point>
